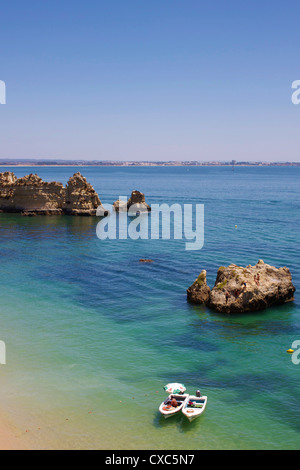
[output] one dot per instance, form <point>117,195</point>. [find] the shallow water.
<point>92,335</point>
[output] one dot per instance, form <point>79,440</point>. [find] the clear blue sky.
<point>150,80</point>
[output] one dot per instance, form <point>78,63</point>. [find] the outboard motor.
<point>198,393</point>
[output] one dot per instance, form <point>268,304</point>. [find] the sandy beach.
<point>11,437</point>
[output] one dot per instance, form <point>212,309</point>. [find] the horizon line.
<point>78,162</point>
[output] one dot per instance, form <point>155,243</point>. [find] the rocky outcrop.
<point>137,200</point>
<point>80,197</point>
<point>199,291</point>
<point>244,289</point>
<point>30,195</point>
<point>120,206</point>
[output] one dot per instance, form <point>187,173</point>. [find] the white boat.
<point>194,406</point>
<point>168,410</point>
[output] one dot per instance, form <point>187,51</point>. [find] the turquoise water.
<point>92,335</point>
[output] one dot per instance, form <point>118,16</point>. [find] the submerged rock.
<point>30,195</point>
<point>245,289</point>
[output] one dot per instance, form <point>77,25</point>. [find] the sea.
<point>92,334</point>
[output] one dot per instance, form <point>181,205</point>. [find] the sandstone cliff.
<point>30,195</point>
<point>244,289</point>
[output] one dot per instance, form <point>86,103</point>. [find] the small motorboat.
<point>194,406</point>
<point>167,409</point>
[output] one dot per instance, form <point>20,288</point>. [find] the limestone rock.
<point>199,291</point>
<point>30,195</point>
<point>137,200</point>
<point>246,289</point>
<point>80,198</point>
<point>7,178</point>
<point>120,206</point>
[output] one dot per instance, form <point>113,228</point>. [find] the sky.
<point>152,80</point>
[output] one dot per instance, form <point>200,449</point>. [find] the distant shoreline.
<point>145,164</point>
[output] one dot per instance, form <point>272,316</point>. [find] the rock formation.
<point>137,199</point>
<point>30,195</point>
<point>80,197</point>
<point>199,291</point>
<point>244,289</point>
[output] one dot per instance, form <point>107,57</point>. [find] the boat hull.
<point>194,407</point>
<point>167,411</point>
